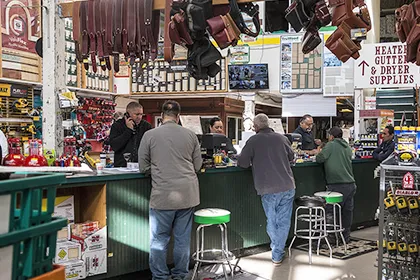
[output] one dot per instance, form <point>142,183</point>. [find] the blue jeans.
<point>278,209</point>
<point>162,223</point>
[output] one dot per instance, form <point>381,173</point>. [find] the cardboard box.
<point>84,229</point>
<point>75,270</point>
<point>96,262</point>
<point>63,207</point>
<point>94,242</point>
<point>67,251</point>
<point>64,234</point>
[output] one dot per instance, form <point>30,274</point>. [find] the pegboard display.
<point>17,115</point>
<point>76,75</point>
<point>71,61</point>
<point>96,81</point>
<point>95,115</point>
<point>161,77</point>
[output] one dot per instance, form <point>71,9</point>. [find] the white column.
<point>374,7</point>
<point>53,74</point>
<point>249,111</point>
<point>358,105</point>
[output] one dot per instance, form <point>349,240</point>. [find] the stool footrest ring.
<point>223,256</point>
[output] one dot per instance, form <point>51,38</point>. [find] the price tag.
<point>25,138</point>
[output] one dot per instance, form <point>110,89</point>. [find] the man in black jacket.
<point>388,145</point>
<point>126,134</point>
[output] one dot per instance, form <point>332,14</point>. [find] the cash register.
<point>214,150</point>
<point>296,141</point>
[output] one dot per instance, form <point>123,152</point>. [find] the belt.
<point>125,27</point>
<point>168,47</point>
<point>118,25</point>
<point>92,35</point>
<point>84,33</point>
<point>132,31</point>
<point>76,30</point>
<point>107,8</point>
<point>99,34</point>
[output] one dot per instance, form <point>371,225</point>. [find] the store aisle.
<point>297,267</point>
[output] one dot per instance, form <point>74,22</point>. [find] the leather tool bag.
<point>310,41</point>
<point>343,12</point>
<point>341,45</point>
<point>251,10</point>
<point>224,31</point>
<point>403,22</point>
<point>178,30</point>
<point>297,15</point>
<point>198,12</point>
<point>413,40</point>
<point>202,58</point>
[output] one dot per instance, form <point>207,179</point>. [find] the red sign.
<point>407,193</point>
<point>21,24</point>
<point>408,181</point>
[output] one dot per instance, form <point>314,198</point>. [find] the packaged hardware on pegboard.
<point>95,115</point>
<point>400,226</point>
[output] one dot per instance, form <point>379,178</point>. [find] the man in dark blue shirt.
<point>388,145</point>
<point>309,144</point>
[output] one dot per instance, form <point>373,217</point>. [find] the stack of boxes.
<point>81,248</point>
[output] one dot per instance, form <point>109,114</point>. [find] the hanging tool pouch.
<point>340,42</point>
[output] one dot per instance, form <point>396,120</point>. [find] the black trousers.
<point>347,205</point>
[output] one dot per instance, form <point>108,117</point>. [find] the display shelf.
<point>160,77</point>
<point>399,228</point>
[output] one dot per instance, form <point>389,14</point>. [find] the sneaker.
<point>277,263</point>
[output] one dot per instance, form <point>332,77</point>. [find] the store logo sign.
<point>408,181</point>
<point>19,91</point>
<point>5,90</point>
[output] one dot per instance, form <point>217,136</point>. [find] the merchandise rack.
<point>402,228</point>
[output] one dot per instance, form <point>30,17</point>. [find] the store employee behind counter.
<point>126,134</point>
<point>216,127</point>
<point>309,144</point>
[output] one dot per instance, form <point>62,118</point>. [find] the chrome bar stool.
<point>206,218</point>
<point>336,226</point>
<point>310,213</point>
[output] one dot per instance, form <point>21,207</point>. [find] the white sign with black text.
<point>384,66</point>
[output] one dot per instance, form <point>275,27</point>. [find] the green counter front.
<point>125,199</point>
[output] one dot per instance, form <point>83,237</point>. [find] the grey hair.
<point>261,121</point>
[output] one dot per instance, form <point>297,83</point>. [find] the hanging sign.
<point>239,54</point>
<point>384,66</point>
<point>21,24</point>
<point>408,181</point>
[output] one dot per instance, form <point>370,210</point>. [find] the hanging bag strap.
<point>99,36</point>
<point>92,34</point>
<point>168,47</point>
<point>106,13</point>
<point>251,10</point>
<point>84,33</point>
<point>76,30</point>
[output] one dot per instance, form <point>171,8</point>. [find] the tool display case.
<point>399,224</point>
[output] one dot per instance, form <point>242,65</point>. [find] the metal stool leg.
<point>310,236</point>
<point>335,224</point>
<point>341,229</point>
<point>326,235</point>
<point>294,232</point>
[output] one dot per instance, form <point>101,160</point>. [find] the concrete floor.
<point>296,267</point>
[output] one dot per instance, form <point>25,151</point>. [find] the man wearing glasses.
<point>388,145</point>
<point>126,134</point>
<point>309,144</point>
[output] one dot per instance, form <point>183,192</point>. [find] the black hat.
<point>336,132</point>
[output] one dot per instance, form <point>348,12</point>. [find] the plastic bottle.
<point>404,130</point>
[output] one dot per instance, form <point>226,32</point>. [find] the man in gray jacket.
<point>171,154</point>
<point>270,155</point>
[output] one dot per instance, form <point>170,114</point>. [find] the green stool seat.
<point>330,197</point>
<point>211,216</point>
